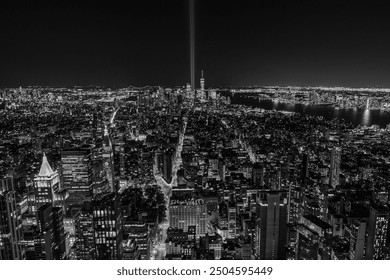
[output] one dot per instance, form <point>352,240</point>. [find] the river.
<point>354,116</point>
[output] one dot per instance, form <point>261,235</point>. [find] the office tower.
<point>84,243</point>
<point>335,160</point>
<point>313,239</point>
<point>377,232</point>
<point>296,204</point>
<point>10,222</point>
<point>232,219</point>
<point>258,172</point>
<point>305,168</point>
<point>307,244</point>
<point>32,243</point>
<point>107,224</point>
<point>46,232</point>
<point>51,230</point>
<point>356,232</point>
<point>76,174</point>
<point>108,160</point>
<point>167,165</point>
<point>202,83</point>
<point>59,233</point>
<point>46,184</point>
<point>271,225</point>
<point>186,213</point>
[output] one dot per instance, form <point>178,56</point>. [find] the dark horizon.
<point>272,43</point>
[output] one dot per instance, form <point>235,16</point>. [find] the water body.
<point>354,116</point>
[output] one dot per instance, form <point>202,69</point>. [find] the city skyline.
<point>297,43</point>
<point>179,168</point>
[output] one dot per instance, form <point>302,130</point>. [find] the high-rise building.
<point>10,222</point>
<point>84,243</point>
<point>32,243</point>
<point>59,233</point>
<point>107,224</point>
<point>296,204</point>
<point>51,230</point>
<point>46,184</point>
<point>77,175</point>
<point>357,238</point>
<point>232,219</point>
<point>202,83</point>
<point>186,213</point>
<point>271,225</point>
<point>307,244</point>
<point>335,161</point>
<point>378,224</point>
<point>46,232</point>
<point>108,160</point>
<point>313,239</point>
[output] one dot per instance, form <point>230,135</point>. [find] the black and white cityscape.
<point>190,130</point>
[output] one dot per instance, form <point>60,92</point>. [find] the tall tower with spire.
<point>202,82</point>
<point>46,184</point>
<point>108,160</point>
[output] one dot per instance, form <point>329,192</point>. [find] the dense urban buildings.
<point>177,173</point>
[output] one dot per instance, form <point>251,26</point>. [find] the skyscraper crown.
<point>45,170</point>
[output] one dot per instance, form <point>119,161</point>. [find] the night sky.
<point>238,43</point>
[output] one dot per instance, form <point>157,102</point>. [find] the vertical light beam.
<point>192,43</point>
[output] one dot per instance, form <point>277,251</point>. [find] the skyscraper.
<point>46,184</point>
<point>357,239</point>
<point>45,232</point>
<point>335,160</point>
<point>271,229</point>
<point>59,233</point>
<point>296,204</point>
<point>232,219</point>
<point>85,244</point>
<point>202,84</point>
<point>76,174</point>
<point>107,224</point>
<point>10,222</point>
<point>377,232</point>
<point>313,240</point>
